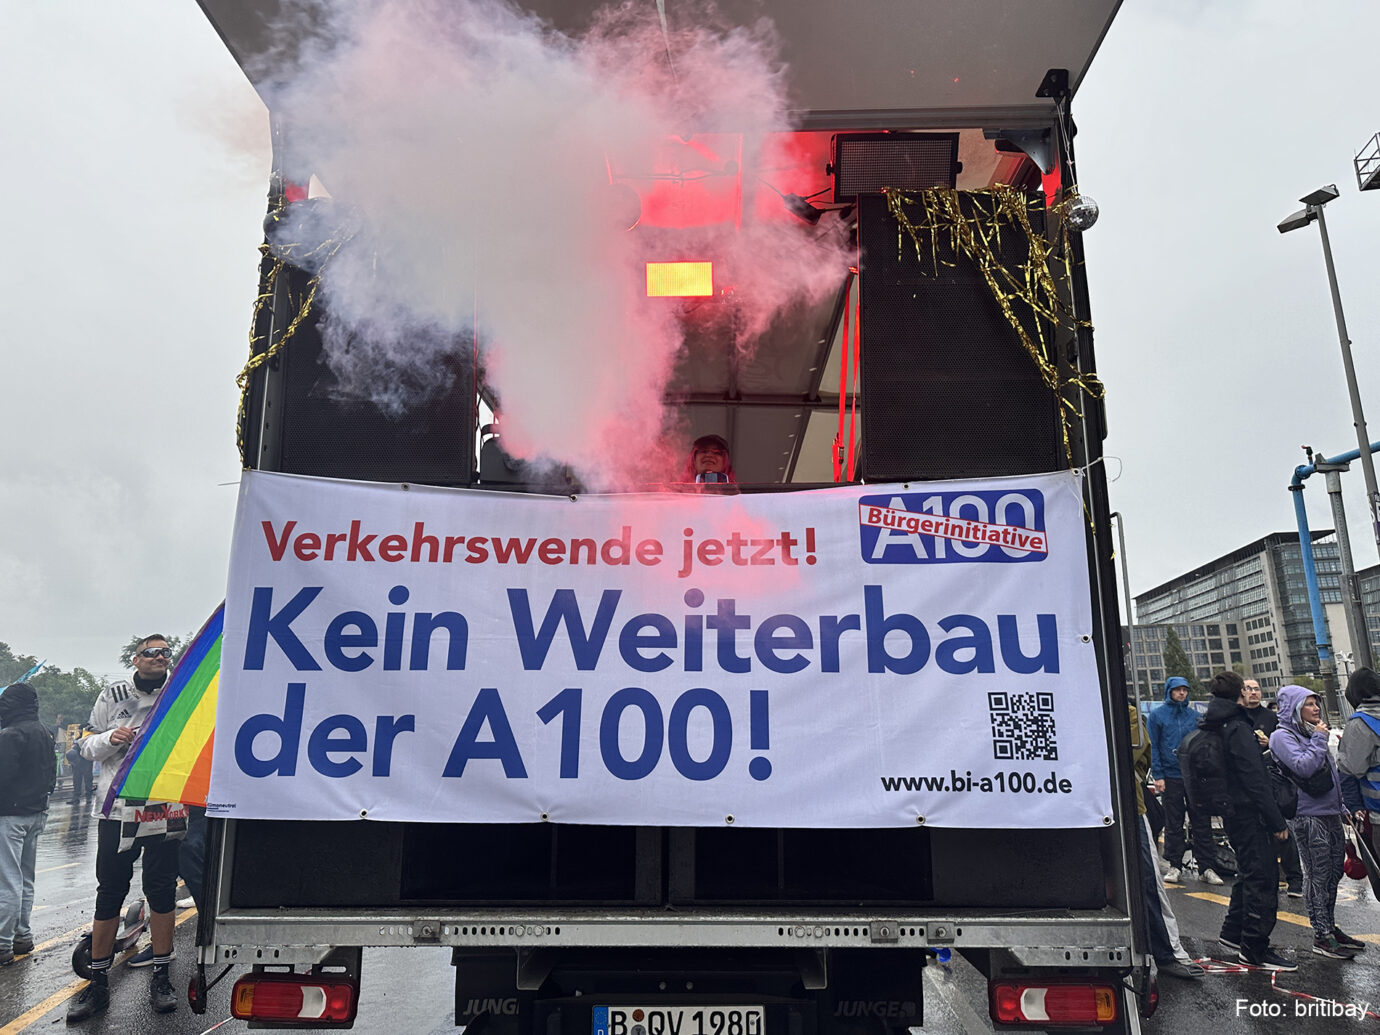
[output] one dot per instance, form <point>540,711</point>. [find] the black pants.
<point>115,869</point>
<point>1154,812</point>
<point>1176,804</point>
<point>82,781</point>
<point>191,856</point>
<point>1150,897</point>
<point>1289,859</point>
<point>1255,895</point>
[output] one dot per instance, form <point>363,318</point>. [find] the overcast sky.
<point>135,169</point>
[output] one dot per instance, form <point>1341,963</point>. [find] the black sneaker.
<point>1295,889</point>
<point>161,995</point>
<point>24,946</point>
<point>1328,945</point>
<point>1267,960</point>
<point>1174,968</point>
<point>1234,944</point>
<point>1337,932</point>
<point>6,957</point>
<point>94,998</point>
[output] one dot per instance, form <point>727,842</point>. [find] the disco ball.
<point>1082,213</point>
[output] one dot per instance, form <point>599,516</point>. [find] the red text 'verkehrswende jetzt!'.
<point>418,546</point>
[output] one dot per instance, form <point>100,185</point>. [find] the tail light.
<point>1052,1004</point>
<point>323,998</point>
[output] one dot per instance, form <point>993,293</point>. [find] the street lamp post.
<point>1313,211</point>
<point>1346,659</point>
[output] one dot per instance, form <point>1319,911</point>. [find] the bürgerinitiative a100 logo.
<point>990,526</point>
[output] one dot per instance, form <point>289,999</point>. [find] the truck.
<point>860,231</point>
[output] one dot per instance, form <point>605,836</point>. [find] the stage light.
<point>680,279</point>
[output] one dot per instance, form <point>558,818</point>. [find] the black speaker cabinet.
<point>328,428</point>
<point>947,389</point>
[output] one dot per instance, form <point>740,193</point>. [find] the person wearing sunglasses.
<point>116,716</point>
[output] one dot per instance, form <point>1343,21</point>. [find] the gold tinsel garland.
<point>936,215</point>
<point>259,356</point>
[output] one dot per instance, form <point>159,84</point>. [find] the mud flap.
<point>871,990</point>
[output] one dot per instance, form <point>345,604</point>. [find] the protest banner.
<point>864,656</point>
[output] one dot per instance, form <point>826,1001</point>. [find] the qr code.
<point>1023,727</point>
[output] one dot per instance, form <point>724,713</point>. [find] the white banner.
<point>855,657</point>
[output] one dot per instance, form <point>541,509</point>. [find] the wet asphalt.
<point>410,990</point>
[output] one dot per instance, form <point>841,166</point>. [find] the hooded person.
<point>28,773</point>
<point>1299,745</point>
<point>1253,827</point>
<point>710,461</point>
<point>1169,724</point>
<point>1358,754</point>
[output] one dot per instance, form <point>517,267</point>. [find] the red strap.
<point>846,341</point>
<point>853,410</point>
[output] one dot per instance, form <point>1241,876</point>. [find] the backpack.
<point>1286,791</point>
<point>1203,762</point>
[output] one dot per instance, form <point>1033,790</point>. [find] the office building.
<point>1248,607</point>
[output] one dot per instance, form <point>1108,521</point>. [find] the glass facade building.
<point>1210,646</point>
<point>1257,599</point>
<point>1369,579</point>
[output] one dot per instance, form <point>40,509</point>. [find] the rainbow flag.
<point>171,758</point>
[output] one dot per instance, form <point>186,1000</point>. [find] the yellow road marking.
<point>34,1013</point>
<point>62,995</point>
<point>59,939</point>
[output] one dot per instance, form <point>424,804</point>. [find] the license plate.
<point>679,1020</point>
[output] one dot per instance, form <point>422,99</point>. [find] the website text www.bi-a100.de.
<point>1013,781</point>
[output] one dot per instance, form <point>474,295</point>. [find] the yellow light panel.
<point>680,279</point>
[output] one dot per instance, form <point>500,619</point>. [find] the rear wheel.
<point>81,957</point>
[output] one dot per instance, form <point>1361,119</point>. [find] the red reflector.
<point>281,997</point>
<point>680,279</point>
<point>1052,1004</point>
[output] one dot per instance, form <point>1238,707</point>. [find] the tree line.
<point>69,694</point>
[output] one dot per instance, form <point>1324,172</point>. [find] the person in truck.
<point>710,463</point>
<point>1169,724</point>
<point>116,717</point>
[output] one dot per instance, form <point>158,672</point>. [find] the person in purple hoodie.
<point>1299,745</point>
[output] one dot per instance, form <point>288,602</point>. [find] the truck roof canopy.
<point>970,67</point>
<point>867,62</point>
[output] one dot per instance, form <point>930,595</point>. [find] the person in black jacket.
<point>1265,722</point>
<point>1253,828</point>
<point>28,773</point>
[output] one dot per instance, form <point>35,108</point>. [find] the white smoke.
<point>471,144</point>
